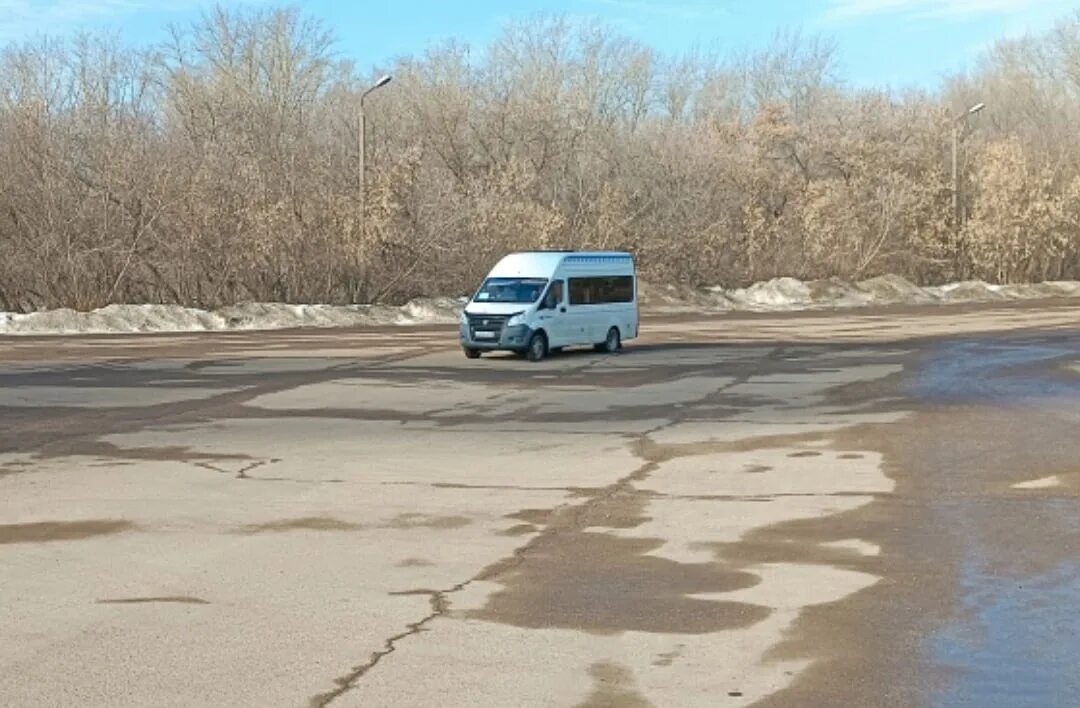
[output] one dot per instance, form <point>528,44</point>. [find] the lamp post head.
<point>383,81</point>
<point>969,112</point>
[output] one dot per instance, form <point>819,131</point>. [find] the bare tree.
<point>220,165</point>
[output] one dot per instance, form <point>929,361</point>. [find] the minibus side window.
<point>554,295</point>
<point>601,290</point>
<point>580,290</point>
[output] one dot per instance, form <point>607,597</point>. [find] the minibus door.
<point>553,316</point>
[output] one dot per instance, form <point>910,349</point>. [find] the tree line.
<point>224,164</point>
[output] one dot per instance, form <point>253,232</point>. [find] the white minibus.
<point>537,302</point>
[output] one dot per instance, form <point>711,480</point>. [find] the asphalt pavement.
<point>864,508</point>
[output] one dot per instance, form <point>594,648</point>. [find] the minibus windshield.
<point>519,290</point>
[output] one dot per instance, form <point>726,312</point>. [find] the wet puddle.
<point>1007,414</point>
<point>598,583</point>
<point>1018,644</point>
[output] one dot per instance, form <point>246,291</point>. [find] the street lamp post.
<point>955,161</point>
<point>362,138</point>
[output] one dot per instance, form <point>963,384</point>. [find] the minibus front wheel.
<point>472,353</point>
<point>538,347</point>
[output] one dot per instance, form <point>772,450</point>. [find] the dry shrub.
<point>222,165</point>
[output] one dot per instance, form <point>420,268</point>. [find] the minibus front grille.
<point>492,324</point>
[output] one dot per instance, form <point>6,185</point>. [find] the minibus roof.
<point>537,264</point>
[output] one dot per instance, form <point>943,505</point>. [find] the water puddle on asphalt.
<point>597,583</point>
<point>1019,641</point>
<point>1006,415</point>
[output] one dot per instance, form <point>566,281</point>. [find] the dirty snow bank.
<point>787,294</point>
<point>115,319</point>
<point>778,295</point>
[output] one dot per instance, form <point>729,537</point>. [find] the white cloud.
<point>843,10</point>
<point>21,18</point>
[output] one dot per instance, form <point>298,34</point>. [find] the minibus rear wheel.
<point>613,342</point>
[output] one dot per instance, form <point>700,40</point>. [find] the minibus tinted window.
<point>520,290</point>
<point>601,289</point>
<point>554,295</point>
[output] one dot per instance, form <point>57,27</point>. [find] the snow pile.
<point>439,310</point>
<point>894,290</point>
<point>978,291</point>
<point>112,318</point>
<point>671,298</point>
<point>777,295</point>
<point>118,319</point>
<point>788,294</point>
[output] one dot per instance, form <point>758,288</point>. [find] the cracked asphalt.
<point>871,507</point>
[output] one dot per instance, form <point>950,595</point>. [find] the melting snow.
<point>114,319</point>
<point>1044,483</point>
<point>786,294</point>
<point>777,295</point>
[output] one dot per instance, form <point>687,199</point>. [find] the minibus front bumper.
<point>476,336</point>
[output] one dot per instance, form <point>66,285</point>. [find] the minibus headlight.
<point>516,320</point>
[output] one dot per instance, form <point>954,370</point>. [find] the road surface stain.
<point>520,530</point>
<point>178,600</point>
<point>428,521</point>
<point>613,687</point>
<point>43,531</point>
<point>668,658</point>
<point>415,563</point>
<point>309,523</point>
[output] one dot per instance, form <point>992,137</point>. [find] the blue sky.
<point>893,43</point>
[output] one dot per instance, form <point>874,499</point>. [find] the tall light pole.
<point>362,138</point>
<point>955,160</point>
